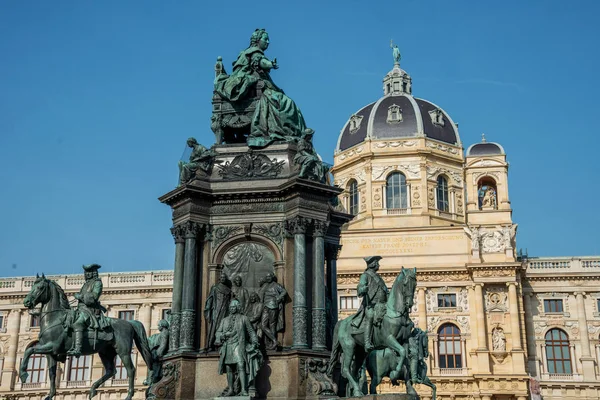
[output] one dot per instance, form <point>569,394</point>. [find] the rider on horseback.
<point>374,292</point>
<point>88,308</point>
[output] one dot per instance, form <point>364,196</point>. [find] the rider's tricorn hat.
<point>91,267</point>
<point>372,259</point>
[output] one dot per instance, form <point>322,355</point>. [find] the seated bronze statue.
<point>248,106</point>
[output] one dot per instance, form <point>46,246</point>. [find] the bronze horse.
<point>55,340</point>
<point>393,332</point>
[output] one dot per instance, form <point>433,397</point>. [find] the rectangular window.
<point>598,304</point>
<point>166,313</point>
<point>120,368</point>
<point>446,300</point>
<point>349,303</point>
<point>553,306</point>
<point>1,320</point>
<point>36,369</point>
<point>127,315</point>
<point>79,368</point>
<point>35,321</point>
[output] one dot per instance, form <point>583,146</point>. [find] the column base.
<point>8,380</point>
<point>588,368</point>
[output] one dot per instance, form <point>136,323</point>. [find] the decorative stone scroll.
<point>412,171</point>
<point>496,299</point>
<point>317,381</point>
<point>251,165</point>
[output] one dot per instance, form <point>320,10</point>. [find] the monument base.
<point>388,396</point>
<point>289,374</point>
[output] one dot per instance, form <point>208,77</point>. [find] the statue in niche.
<point>240,293</point>
<point>311,166</point>
<point>487,197</point>
<point>254,312</point>
<point>201,160</point>
<point>237,260</point>
<point>216,308</point>
<point>239,356</point>
<point>498,340</point>
<point>159,346</point>
<point>272,295</point>
<point>273,116</point>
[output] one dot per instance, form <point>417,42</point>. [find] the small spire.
<point>483,138</point>
<point>395,53</point>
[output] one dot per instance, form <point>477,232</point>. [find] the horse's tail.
<point>336,350</point>
<point>141,342</point>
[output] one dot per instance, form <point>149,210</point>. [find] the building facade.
<point>493,319</point>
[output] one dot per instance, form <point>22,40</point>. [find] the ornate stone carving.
<point>416,196</point>
<point>462,299</point>
<point>251,165</point>
<point>191,229</point>
<point>222,233</point>
<point>496,299</point>
<point>395,143</point>
<point>187,329</point>
<point>300,317</point>
<point>318,383</point>
<point>477,175</point>
<point>355,122</point>
<point>244,208</point>
<point>319,327</point>
<point>377,198</point>
<point>459,203</point>
<point>441,147</point>
<point>272,231</point>
<point>433,171</point>
<point>492,241</point>
<point>178,233</point>
<point>351,153</point>
<point>431,198</point>
<point>437,117</point>
<point>412,171</point>
<point>463,322</point>
<point>297,225</point>
<point>440,277</point>
<point>166,388</point>
<point>498,340</point>
<point>394,114</point>
<point>320,227</point>
<point>432,323</point>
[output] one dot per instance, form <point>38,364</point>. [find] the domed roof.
<point>484,148</point>
<point>398,115</point>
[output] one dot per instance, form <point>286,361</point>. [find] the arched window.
<point>442,194</point>
<point>487,194</point>
<point>36,368</point>
<point>449,350</point>
<point>353,200</point>
<point>558,353</point>
<point>79,368</point>
<point>396,191</point>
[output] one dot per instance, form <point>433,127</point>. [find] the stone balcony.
<point>111,280</point>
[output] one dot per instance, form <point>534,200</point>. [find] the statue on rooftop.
<point>395,53</point>
<point>254,100</point>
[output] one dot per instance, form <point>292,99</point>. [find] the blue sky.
<point>98,98</point>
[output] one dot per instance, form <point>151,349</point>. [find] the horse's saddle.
<point>103,335</point>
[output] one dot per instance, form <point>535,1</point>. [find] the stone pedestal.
<point>252,215</point>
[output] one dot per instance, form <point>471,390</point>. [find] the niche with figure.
<point>487,194</point>
<point>251,261</point>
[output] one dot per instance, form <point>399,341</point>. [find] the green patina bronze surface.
<point>275,115</point>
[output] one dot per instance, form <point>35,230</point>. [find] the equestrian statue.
<point>381,337</point>
<point>82,331</point>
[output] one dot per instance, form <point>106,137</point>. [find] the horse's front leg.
<point>393,344</point>
<point>52,364</point>
<point>37,349</point>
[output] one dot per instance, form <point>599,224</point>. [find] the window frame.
<point>549,303</point>
<point>84,370</point>
<point>33,319</point>
<point>447,300</point>
<point>354,299</point>
<point>453,340</point>
<point>399,191</point>
<point>353,197</point>
<point>564,345</point>
<point>442,194</point>
<point>39,362</point>
<point>126,312</point>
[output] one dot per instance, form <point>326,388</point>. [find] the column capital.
<point>320,228</point>
<point>178,233</point>
<point>192,229</point>
<point>297,225</point>
<point>147,305</point>
<point>579,294</point>
<point>509,284</point>
<point>15,311</point>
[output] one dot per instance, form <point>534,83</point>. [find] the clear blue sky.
<point>98,98</point>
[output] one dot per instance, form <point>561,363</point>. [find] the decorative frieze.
<point>412,171</point>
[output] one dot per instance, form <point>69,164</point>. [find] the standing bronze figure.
<point>273,299</point>
<point>240,293</point>
<point>215,308</point>
<point>239,354</point>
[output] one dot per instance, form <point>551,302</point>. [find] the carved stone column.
<point>178,233</point>
<point>8,371</point>
<point>587,360</point>
<point>422,307</point>
<point>297,227</point>
<point>513,307</point>
<point>332,255</point>
<point>481,326</point>
<point>530,334</point>
<point>319,324</point>
<point>190,273</point>
<point>146,317</point>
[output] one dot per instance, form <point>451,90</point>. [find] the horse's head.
<point>403,290</point>
<point>39,293</point>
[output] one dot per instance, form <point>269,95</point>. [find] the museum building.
<point>499,325</point>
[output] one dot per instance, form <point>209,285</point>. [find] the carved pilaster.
<point>188,318</point>
<point>319,329</point>
<point>174,331</point>
<point>300,318</point>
